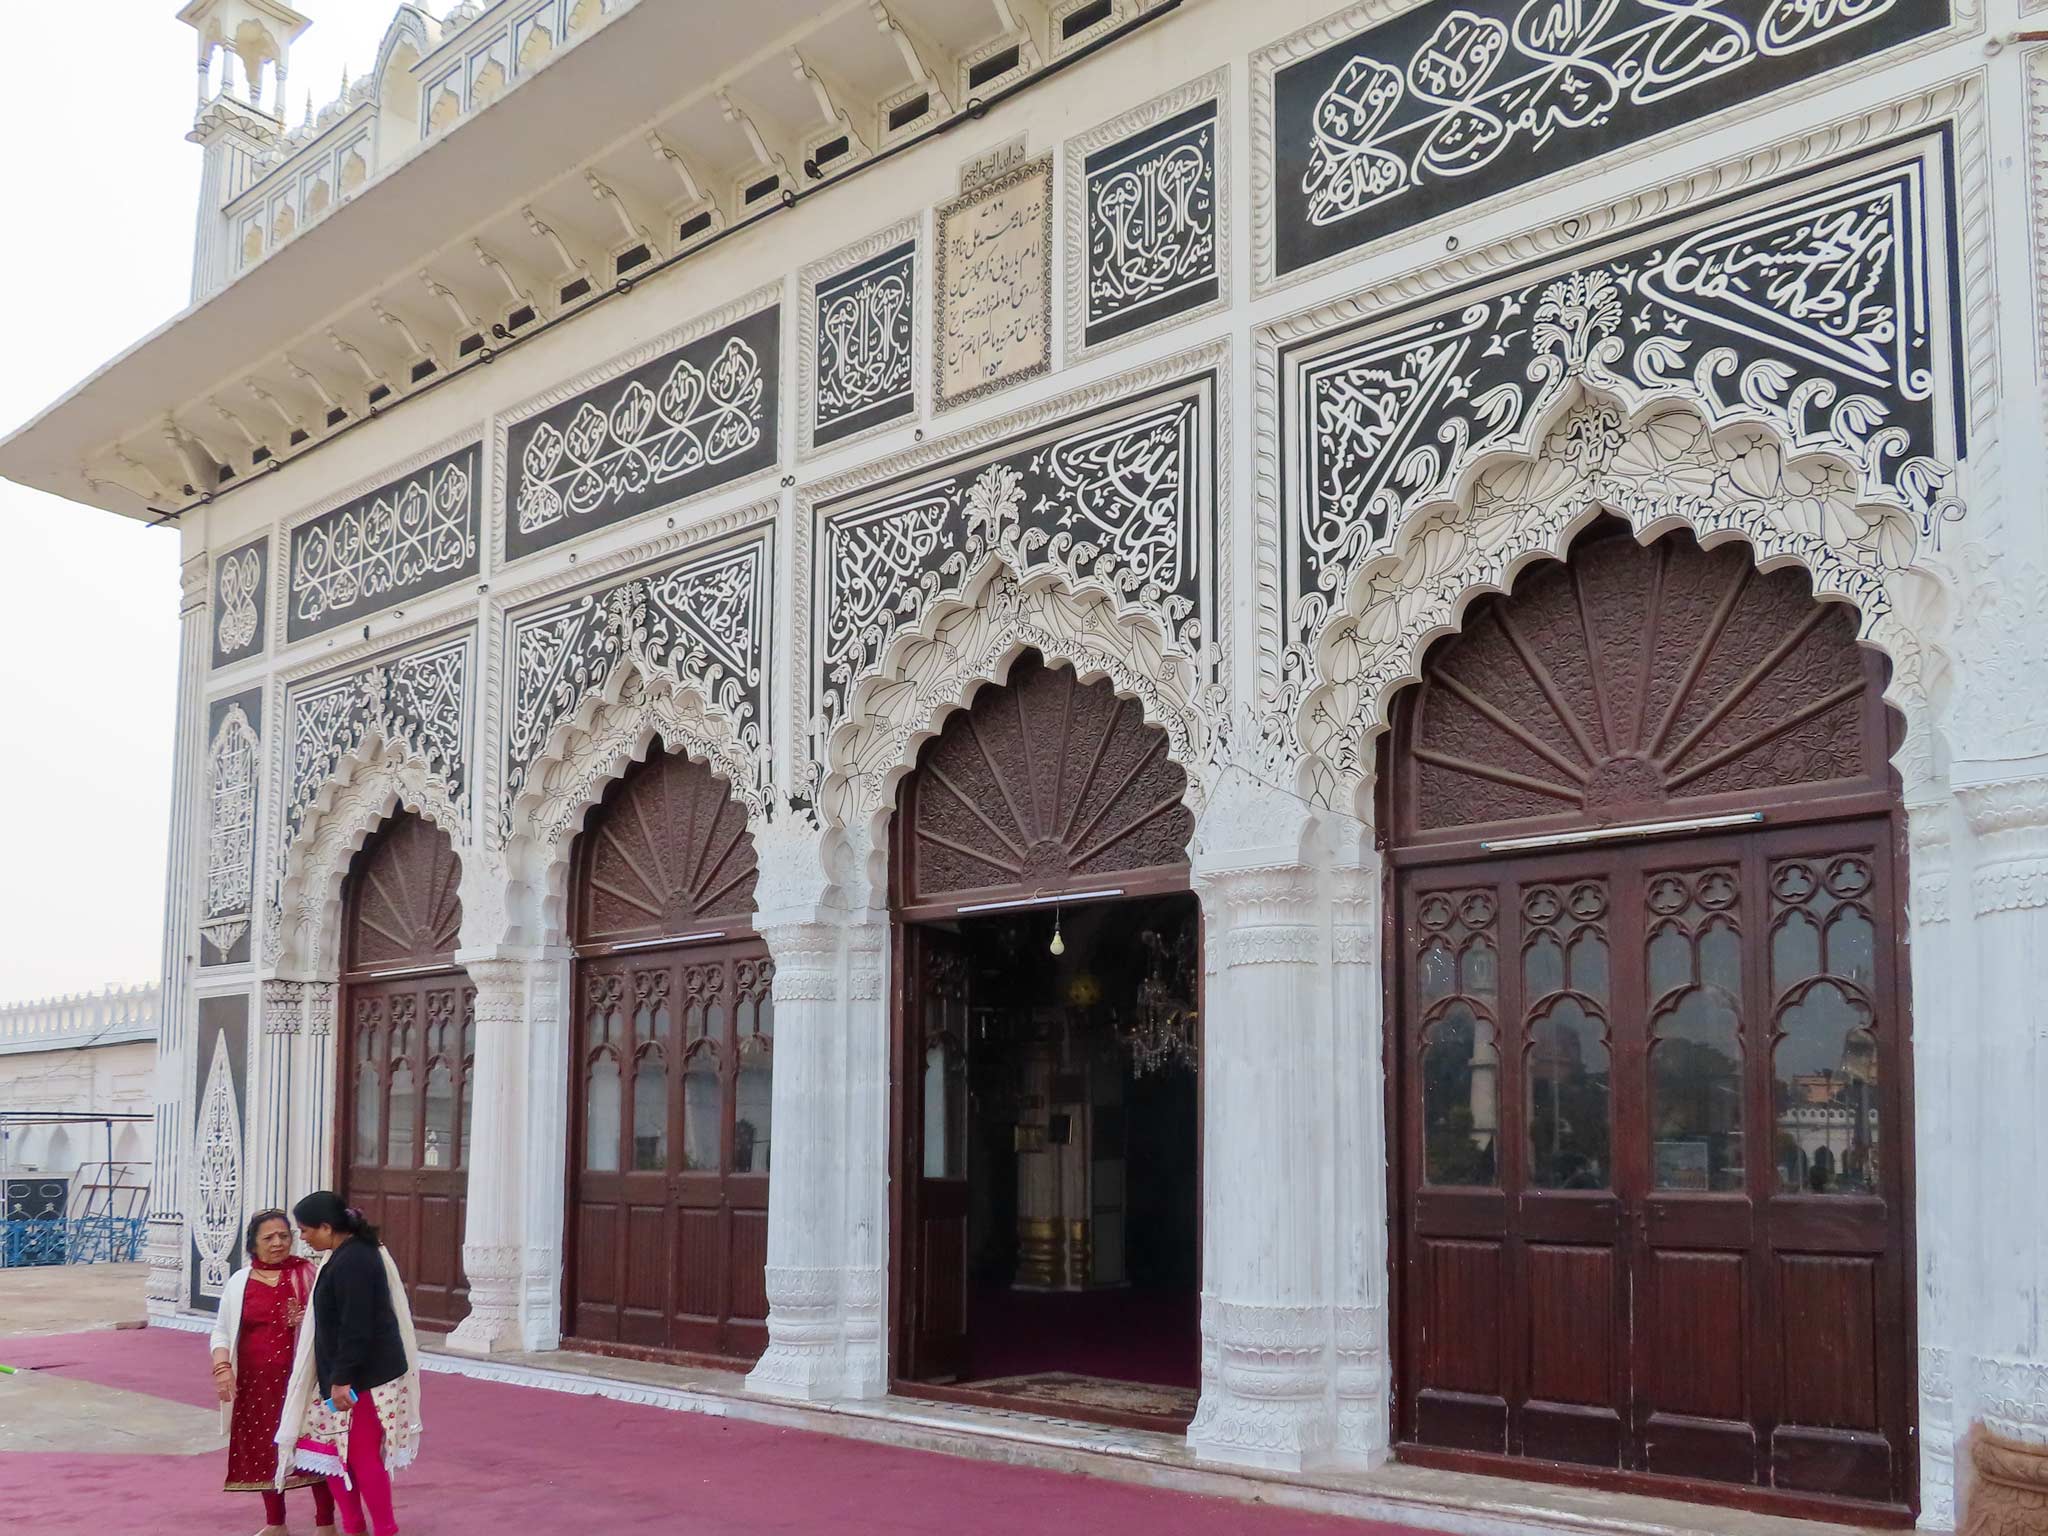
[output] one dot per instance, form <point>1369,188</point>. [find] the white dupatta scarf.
<point>397,1402</point>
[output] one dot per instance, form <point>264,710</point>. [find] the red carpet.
<point>1119,1335</point>
<point>499,1459</point>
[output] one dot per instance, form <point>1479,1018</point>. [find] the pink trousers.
<point>372,1492</point>
<point>323,1507</point>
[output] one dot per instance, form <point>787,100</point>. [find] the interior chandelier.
<point>1162,1033</point>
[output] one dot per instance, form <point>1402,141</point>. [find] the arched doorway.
<point>669,1141</point>
<point>408,1042</point>
<point>1649,1055</point>
<point>1046,1085</point>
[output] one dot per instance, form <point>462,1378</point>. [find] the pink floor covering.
<point>499,1459</point>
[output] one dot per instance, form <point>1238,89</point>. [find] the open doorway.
<point>1048,1060</point>
<point>1061,1155</point>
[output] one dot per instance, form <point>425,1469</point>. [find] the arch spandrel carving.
<point>1659,467</point>
<point>370,784</point>
<point>928,674</point>
<point>612,728</point>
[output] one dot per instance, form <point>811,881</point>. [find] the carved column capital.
<point>2009,819</point>
<point>284,1006</point>
<point>195,578</point>
<point>806,955</point>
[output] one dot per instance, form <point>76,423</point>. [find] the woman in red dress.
<point>253,1337</point>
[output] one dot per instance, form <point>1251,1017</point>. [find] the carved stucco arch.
<point>1660,465</point>
<point>371,783</point>
<point>962,645</point>
<point>611,729</point>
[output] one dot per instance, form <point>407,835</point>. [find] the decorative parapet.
<point>111,1016</point>
<point>429,76</point>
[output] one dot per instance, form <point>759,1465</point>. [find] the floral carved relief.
<point>233,766</point>
<point>217,1173</point>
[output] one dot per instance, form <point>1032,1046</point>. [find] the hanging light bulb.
<point>1059,945</point>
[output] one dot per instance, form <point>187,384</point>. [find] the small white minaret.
<point>244,51</point>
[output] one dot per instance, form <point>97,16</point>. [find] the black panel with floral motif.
<point>234,772</point>
<point>412,536</point>
<point>1118,500</point>
<point>1152,224</point>
<point>865,363</point>
<point>703,621</point>
<point>698,417</point>
<point>1458,100</point>
<point>240,587</point>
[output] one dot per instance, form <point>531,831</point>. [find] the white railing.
<point>111,1016</point>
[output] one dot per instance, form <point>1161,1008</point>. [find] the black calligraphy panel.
<point>864,361</point>
<point>1458,100</point>
<point>1152,225</point>
<point>698,417</point>
<point>240,586</point>
<point>1816,308</point>
<point>415,535</point>
<point>1119,500</point>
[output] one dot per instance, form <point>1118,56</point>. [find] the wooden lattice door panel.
<point>1509,991</point>
<point>408,1049</point>
<point>1634,683</point>
<point>1601,1263</point>
<point>403,899</point>
<point>1044,784</point>
<point>408,1043</point>
<point>668,853</point>
<point>671,1149</point>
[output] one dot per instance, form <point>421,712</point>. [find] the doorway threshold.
<point>1424,1498</point>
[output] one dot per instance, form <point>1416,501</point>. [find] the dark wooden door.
<point>937,1108</point>
<point>408,1045</point>
<point>671,1110</point>
<point>1654,1184</point>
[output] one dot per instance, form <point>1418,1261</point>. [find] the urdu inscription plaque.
<point>993,285</point>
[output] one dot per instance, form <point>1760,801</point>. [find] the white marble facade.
<point>1246,466</point>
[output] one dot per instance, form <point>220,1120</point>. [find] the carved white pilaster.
<point>866,1141</point>
<point>2008,822</point>
<point>828,1198</point>
<point>1944,1066</point>
<point>176,1074</point>
<point>806,1354</point>
<point>502,1096</point>
<point>1359,1167</point>
<point>280,1018</point>
<point>806,1342</point>
<point>1268,1109</point>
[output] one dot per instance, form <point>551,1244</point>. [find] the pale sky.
<point>100,196</point>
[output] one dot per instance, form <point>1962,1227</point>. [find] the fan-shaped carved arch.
<point>1039,785</point>
<point>930,673</point>
<point>1659,466</point>
<point>1635,681</point>
<point>368,786</point>
<point>668,851</point>
<point>403,897</point>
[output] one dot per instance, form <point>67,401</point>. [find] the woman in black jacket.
<point>352,1409</point>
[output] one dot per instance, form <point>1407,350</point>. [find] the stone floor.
<point>67,1298</point>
